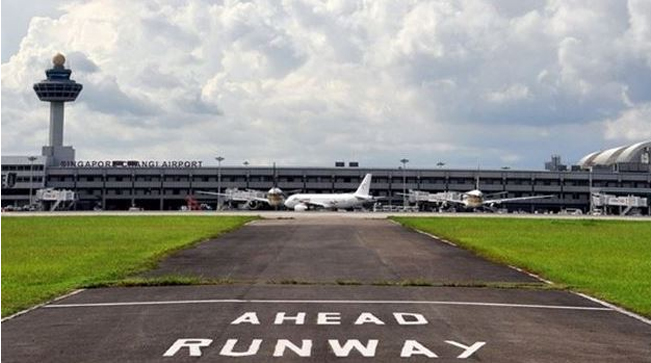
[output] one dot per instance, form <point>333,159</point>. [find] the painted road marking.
<point>548,282</point>
<point>615,308</point>
<point>369,302</point>
<point>409,349</point>
<point>231,347</point>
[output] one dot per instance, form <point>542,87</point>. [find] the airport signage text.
<point>339,348</point>
<point>132,164</point>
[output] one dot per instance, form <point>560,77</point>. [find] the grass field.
<point>45,257</point>
<point>607,259</point>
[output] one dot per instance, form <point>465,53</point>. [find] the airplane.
<point>471,199</point>
<point>254,199</point>
<point>302,202</point>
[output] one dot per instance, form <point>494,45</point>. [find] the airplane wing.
<point>433,198</point>
<point>212,193</point>
<point>235,197</point>
<point>442,198</point>
<point>494,195</point>
<point>498,201</point>
<point>370,198</point>
<point>438,199</point>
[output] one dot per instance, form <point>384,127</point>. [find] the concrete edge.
<point>75,292</point>
<point>548,282</point>
<point>614,307</point>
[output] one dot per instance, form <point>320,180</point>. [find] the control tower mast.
<point>57,89</point>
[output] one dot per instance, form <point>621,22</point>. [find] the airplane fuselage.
<point>331,201</point>
<point>473,199</point>
<point>301,202</point>
<point>275,197</point>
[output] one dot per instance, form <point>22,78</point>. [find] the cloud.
<point>632,125</point>
<point>80,63</point>
<point>306,82</point>
<point>513,93</point>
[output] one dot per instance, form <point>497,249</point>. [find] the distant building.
<point>555,164</point>
<point>20,174</point>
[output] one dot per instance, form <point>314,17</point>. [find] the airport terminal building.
<point>166,188</point>
<point>167,185</point>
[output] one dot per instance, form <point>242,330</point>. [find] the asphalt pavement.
<point>328,250</point>
<point>323,290</point>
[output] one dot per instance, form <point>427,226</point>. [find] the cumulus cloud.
<point>632,125</point>
<point>308,82</point>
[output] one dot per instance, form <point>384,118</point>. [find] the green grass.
<point>44,257</point>
<point>607,259</point>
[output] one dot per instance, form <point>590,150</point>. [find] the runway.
<point>328,289</point>
<point>331,250</point>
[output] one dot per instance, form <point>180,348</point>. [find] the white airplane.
<point>475,199</point>
<point>302,202</point>
<point>253,199</point>
<point>472,199</point>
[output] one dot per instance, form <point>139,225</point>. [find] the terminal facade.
<point>155,185</point>
<point>119,188</point>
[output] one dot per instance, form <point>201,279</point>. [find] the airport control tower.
<point>57,89</point>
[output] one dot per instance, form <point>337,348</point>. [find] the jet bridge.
<point>52,199</point>
<point>627,204</point>
<point>418,196</point>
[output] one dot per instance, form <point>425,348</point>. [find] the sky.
<point>503,83</point>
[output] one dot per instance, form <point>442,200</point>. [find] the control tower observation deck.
<point>57,89</point>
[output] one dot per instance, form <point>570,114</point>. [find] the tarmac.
<point>285,214</point>
<point>329,289</point>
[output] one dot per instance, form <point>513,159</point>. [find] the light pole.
<point>219,182</point>
<point>591,211</point>
<point>31,177</point>
<point>404,181</point>
<point>246,165</point>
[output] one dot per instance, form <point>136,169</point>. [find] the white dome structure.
<point>635,153</point>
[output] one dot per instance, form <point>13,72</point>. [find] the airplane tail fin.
<point>364,189</point>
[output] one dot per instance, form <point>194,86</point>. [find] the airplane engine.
<point>300,208</point>
<point>253,204</point>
